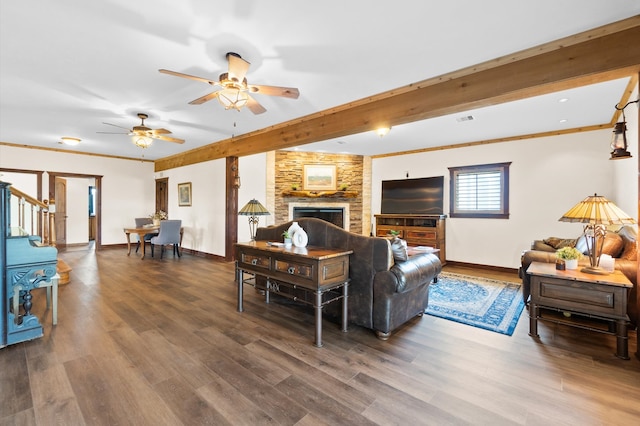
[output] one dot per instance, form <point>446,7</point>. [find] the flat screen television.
<point>413,196</point>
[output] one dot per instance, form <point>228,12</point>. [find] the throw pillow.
<point>581,244</point>
<point>613,244</point>
<point>558,243</point>
<point>630,251</point>
<point>399,249</point>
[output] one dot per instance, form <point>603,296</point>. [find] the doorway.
<point>97,184</point>
<point>162,195</point>
<point>60,223</point>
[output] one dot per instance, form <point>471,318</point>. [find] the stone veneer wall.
<point>350,169</point>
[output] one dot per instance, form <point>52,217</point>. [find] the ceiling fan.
<point>143,135</point>
<point>236,91</point>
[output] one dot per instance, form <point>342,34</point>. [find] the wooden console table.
<point>317,270</point>
<point>594,296</point>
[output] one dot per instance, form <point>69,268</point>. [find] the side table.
<point>595,296</point>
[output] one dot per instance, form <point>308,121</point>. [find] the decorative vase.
<point>293,228</point>
<point>300,238</point>
<point>156,222</point>
<point>571,263</point>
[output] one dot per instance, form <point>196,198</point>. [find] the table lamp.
<point>596,212</point>
<point>254,210</point>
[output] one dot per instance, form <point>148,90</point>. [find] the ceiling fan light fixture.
<point>142,141</point>
<point>233,97</point>
<point>70,141</point>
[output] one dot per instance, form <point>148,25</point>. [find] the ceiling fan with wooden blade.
<point>143,135</point>
<point>235,92</point>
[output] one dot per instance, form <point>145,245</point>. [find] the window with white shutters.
<point>479,191</point>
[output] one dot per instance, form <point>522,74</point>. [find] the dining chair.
<point>169,234</point>
<point>140,222</point>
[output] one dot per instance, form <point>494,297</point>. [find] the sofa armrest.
<point>408,275</point>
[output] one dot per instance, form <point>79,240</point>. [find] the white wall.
<point>548,176</point>
<point>204,221</point>
<point>128,187</point>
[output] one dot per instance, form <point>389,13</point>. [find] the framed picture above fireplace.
<point>319,177</point>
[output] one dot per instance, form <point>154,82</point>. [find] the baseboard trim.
<point>484,267</point>
<point>182,250</point>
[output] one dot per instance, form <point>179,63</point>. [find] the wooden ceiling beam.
<point>598,55</point>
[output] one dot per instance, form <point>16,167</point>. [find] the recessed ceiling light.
<point>564,120</point>
<point>69,141</point>
<point>563,100</point>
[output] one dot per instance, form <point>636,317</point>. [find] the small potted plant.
<point>570,256</point>
<point>295,186</point>
<point>287,239</point>
<point>344,186</point>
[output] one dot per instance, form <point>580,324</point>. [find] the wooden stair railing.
<point>38,218</point>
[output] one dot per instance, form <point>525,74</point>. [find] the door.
<point>61,211</point>
<point>162,195</point>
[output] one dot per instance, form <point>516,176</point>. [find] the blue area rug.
<point>483,303</point>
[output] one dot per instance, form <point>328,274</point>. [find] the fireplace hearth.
<point>333,215</point>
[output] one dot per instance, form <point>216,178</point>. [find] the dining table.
<point>141,231</point>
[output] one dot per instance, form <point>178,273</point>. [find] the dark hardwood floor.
<point>159,342</point>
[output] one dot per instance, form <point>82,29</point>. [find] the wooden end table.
<point>595,296</point>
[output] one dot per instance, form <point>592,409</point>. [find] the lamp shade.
<point>233,97</point>
<point>142,141</point>
<point>597,210</point>
<point>254,208</point>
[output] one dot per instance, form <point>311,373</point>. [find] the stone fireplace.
<point>285,189</point>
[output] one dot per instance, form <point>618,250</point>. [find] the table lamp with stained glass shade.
<point>596,212</point>
<point>254,210</point>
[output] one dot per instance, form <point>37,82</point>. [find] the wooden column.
<point>637,301</point>
<point>233,171</point>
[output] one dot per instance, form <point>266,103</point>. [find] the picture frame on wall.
<point>184,194</point>
<point>319,177</point>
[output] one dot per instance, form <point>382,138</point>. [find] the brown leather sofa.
<point>383,294</point>
<point>621,245</point>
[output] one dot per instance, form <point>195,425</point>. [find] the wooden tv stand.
<point>417,230</point>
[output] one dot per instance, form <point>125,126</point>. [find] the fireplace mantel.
<point>320,194</point>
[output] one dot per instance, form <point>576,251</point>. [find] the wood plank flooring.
<point>159,342</point>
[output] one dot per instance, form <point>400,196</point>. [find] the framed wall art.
<point>184,194</point>
<point>319,177</point>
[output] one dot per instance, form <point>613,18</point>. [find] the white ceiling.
<point>68,66</point>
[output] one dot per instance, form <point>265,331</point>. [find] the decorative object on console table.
<point>287,239</point>
<point>254,210</point>
<point>596,212</point>
<point>300,238</point>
